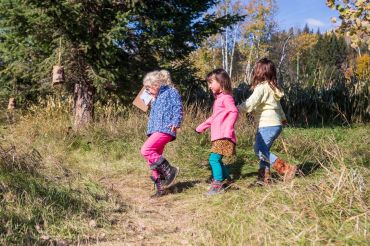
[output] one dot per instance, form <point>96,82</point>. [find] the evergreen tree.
<point>328,55</point>
<point>103,42</point>
<point>306,29</point>
<point>330,50</point>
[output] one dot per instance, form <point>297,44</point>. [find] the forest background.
<point>70,166</point>
<point>107,47</point>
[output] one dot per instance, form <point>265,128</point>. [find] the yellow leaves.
<point>355,19</point>
<point>258,16</point>
<point>358,22</point>
<point>330,4</point>
<point>303,41</point>
<point>204,60</point>
<point>360,3</point>
<point>363,66</point>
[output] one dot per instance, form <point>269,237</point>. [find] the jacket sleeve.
<point>177,109</point>
<point>253,101</point>
<point>232,115</point>
<point>205,125</point>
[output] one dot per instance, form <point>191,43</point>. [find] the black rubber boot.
<point>164,168</point>
<point>159,191</point>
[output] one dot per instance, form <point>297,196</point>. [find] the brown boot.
<point>264,176</point>
<point>284,169</point>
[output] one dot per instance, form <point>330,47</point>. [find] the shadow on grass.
<point>307,168</point>
<point>235,169</point>
<point>182,186</point>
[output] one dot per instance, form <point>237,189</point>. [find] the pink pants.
<point>153,148</point>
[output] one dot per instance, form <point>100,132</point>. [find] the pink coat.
<point>222,120</point>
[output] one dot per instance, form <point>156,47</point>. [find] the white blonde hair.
<point>165,77</point>
<point>160,78</point>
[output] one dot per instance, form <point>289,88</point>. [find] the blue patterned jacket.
<point>166,110</point>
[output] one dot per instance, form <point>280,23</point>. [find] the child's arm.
<point>232,115</point>
<point>205,125</point>
<point>177,109</point>
<point>253,101</point>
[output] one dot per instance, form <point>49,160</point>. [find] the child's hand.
<point>199,132</point>
<point>173,128</point>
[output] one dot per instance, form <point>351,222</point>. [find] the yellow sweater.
<point>265,104</point>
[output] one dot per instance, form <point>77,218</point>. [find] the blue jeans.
<point>265,137</point>
<point>219,171</point>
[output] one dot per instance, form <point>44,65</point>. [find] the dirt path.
<point>147,221</point>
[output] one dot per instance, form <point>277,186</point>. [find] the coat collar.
<point>219,95</point>
<point>162,89</point>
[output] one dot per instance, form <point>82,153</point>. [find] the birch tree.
<point>230,35</point>
<point>256,31</point>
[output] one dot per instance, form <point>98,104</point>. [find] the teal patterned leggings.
<point>219,171</point>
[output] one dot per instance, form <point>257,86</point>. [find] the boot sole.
<point>156,196</point>
<point>173,180</point>
<point>220,192</point>
<point>291,175</point>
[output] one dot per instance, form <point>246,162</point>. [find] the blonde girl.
<point>165,118</point>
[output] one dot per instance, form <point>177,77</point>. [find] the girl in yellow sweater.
<point>268,113</point>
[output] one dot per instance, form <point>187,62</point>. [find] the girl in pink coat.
<point>222,123</point>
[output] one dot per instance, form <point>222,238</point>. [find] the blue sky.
<point>296,13</point>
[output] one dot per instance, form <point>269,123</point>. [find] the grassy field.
<point>92,187</point>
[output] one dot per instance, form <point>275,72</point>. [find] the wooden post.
<point>12,103</point>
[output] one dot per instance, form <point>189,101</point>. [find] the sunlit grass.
<point>329,206</point>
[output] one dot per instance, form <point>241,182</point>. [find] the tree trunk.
<point>227,50</point>
<point>223,52</point>
<point>83,108</point>
<point>297,67</point>
<point>233,51</point>
<point>213,58</point>
<point>283,54</point>
<point>248,70</point>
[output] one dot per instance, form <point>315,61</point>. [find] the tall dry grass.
<point>43,199</point>
<point>327,209</point>
<point>328,206</point>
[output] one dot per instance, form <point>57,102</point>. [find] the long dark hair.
<point>265,70</point>
<point>222,77</point>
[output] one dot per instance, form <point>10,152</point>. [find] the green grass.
<point>33,207</point>
<point>329,206</point>
<point>44,200</point>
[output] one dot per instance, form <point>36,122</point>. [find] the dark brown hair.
<point>222,78</point>
<point>264,70</point>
